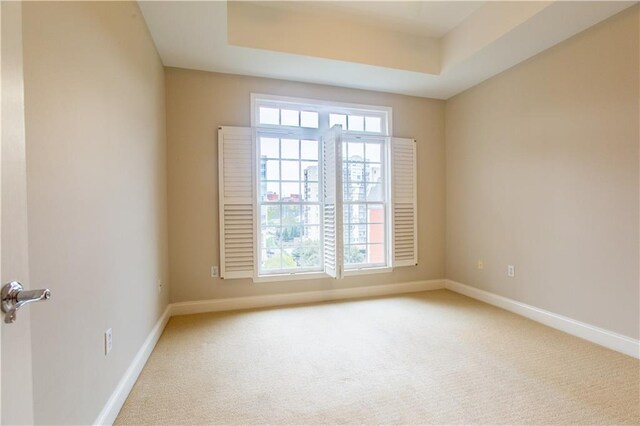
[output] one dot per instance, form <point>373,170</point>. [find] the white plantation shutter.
<point>332,209</point>
<point>404,202</point>
<point>236,191</point>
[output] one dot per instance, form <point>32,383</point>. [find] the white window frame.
<point>323,108</point>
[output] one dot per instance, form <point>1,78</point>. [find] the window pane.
<point>346,237</point>
<point>310,192</point>
<point>271,240</point>
<point>355,192</point>
<point>309,170</point>
<point>287,259</point>
<point>270,237</point>
<point>290,117</point>
<point>357,213</point>
<point>269,147</point>
<point>270,215</point>
<point>291,215</point>
<point>373,172</point>
<point>270,191</point>
<point>375,213</point>
<point>271,259</point>
<point>291,191</point>
<point>338,119</point>
<point>358,234</point>
<point>375,233</point>
<point>375,253</point>
<point>291,236</point>
<point>346,213</point>
<point>345,171</point>
<point>309,149</point>
<point>355,172</point>
<point>356,123</point>
<point>270,169</point>
<point>356,151</point>
<point>307,256</point>
<point>375,191</point>
<point>290,170</point>
<point>269,116</point>
<point>309,119</point>
<point>373,151</point>
<point>373,124</point>
<point>355,254</point>
<point>290,148</point>
<point>311,235</point>
<point>311,215</point>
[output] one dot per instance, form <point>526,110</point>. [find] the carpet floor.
<point>426,358</point>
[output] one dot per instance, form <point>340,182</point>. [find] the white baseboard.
<point>600,336</point>
<point>236,303</point>
<point>111,409</point>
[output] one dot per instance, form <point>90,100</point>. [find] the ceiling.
<point>423,18</point>
<point>420,48</point>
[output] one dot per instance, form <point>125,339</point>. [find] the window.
<point>364,203</point>
<point>289,204</point>
<point>321,194</point>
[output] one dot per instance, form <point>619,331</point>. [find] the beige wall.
<point>542,173</point>
<point>96,178</point>
<point>199,102</point>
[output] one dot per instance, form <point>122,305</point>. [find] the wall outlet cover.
<point>214,272</point>
<point>108,341</point>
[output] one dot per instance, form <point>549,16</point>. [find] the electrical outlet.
<point>108,341</point>
<point>511,271</point>
<point>480,264</point>
<point>214,272</point>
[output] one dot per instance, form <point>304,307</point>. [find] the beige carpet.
<point>433,357</point>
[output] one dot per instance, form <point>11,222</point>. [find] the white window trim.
<point>293,276</point>
<point>321,106</point>
<point>367,271</point>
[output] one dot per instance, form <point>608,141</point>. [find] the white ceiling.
<point>424,18</point>
<point>480,40</point>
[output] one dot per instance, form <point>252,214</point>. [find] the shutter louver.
<point>332,209</point>
<point>405,205</point>
<point>237,218</point>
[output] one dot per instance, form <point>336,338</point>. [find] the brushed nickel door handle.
<point>14,296</point>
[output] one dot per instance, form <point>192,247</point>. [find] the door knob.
<point>14,296</point>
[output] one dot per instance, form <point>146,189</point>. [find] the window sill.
<point>290,277</point>
<point>319,275</point>
<point>367,271</point>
